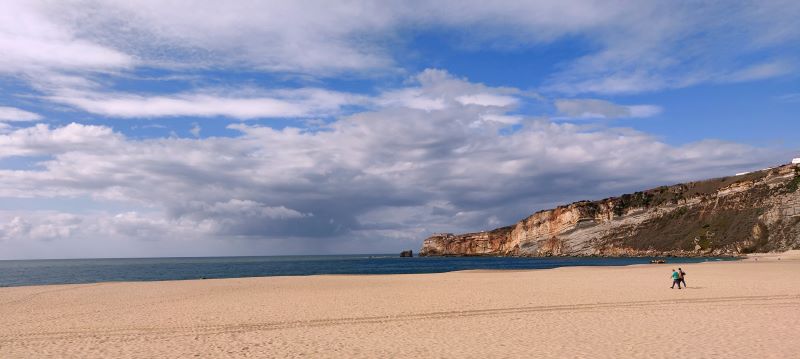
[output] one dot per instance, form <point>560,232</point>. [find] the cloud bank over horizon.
<point>297,127</point>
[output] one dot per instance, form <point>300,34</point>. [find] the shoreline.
<point>564,312</point>
<point>584,256</point>
<point>510,268</point>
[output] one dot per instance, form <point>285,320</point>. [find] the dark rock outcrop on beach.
<point>408,253</point>
<point>752,212</point>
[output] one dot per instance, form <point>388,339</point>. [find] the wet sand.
<point>738,309</point>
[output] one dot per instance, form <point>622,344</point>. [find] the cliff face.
<point>754,212</point>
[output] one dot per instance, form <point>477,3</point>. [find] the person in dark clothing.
<point>676,279</point>
<point>682,277</point>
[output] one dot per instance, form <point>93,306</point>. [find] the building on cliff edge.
<point>796,161</point>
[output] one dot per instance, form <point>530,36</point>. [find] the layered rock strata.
<point>752,212</point>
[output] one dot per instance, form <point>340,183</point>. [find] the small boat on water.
<point>658,261</point>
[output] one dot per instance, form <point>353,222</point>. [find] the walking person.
<point>682,276</point>
<point>676,279</point>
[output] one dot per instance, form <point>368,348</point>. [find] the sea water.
<point>64,271</point>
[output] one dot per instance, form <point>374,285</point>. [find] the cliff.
<point>752,212</point>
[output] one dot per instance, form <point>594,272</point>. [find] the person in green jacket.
<point>676,279</point>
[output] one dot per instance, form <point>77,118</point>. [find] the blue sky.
<point>279,127</point>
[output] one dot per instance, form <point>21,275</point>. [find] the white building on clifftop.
<point>796,161</point>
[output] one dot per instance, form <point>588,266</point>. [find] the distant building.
<point>796,160</point>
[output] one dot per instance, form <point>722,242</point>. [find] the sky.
<point>216,128</point>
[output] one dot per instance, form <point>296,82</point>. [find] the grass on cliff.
<point>792,186</point>
<point>715,224</point>
<point>678,193</point>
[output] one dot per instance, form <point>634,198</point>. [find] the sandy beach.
<point>742,309</point>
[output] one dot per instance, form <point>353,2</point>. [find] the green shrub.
<point>795,182</point>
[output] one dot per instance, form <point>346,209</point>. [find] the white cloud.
<point>59,225</point>
<point>434,90</point>
<point>488,100</point>
<point>412,98</point>
<point>14,114</point>
<point>195,130</point>
<point>504,119</point>
<point>633,46</point>
<point>593,108</point>
<point>438,90</point>
<point>375,180</point>
<point>42,140</point>
<point>661,45</point>
<point>639,111</point>
<point>34,41</point>
<point>246,208</point>
<point>279,103</point>
<point>427,157</point>
<point>762,71</point>
<point>307,37</point>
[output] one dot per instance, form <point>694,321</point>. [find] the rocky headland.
<point>752,212</point>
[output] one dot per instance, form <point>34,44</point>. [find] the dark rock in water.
<point>408,253</point>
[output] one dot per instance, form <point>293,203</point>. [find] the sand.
<point>745,309</point>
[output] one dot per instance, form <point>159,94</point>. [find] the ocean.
<point>70,271</point>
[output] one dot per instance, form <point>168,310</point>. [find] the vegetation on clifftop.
<point>795,182</point>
